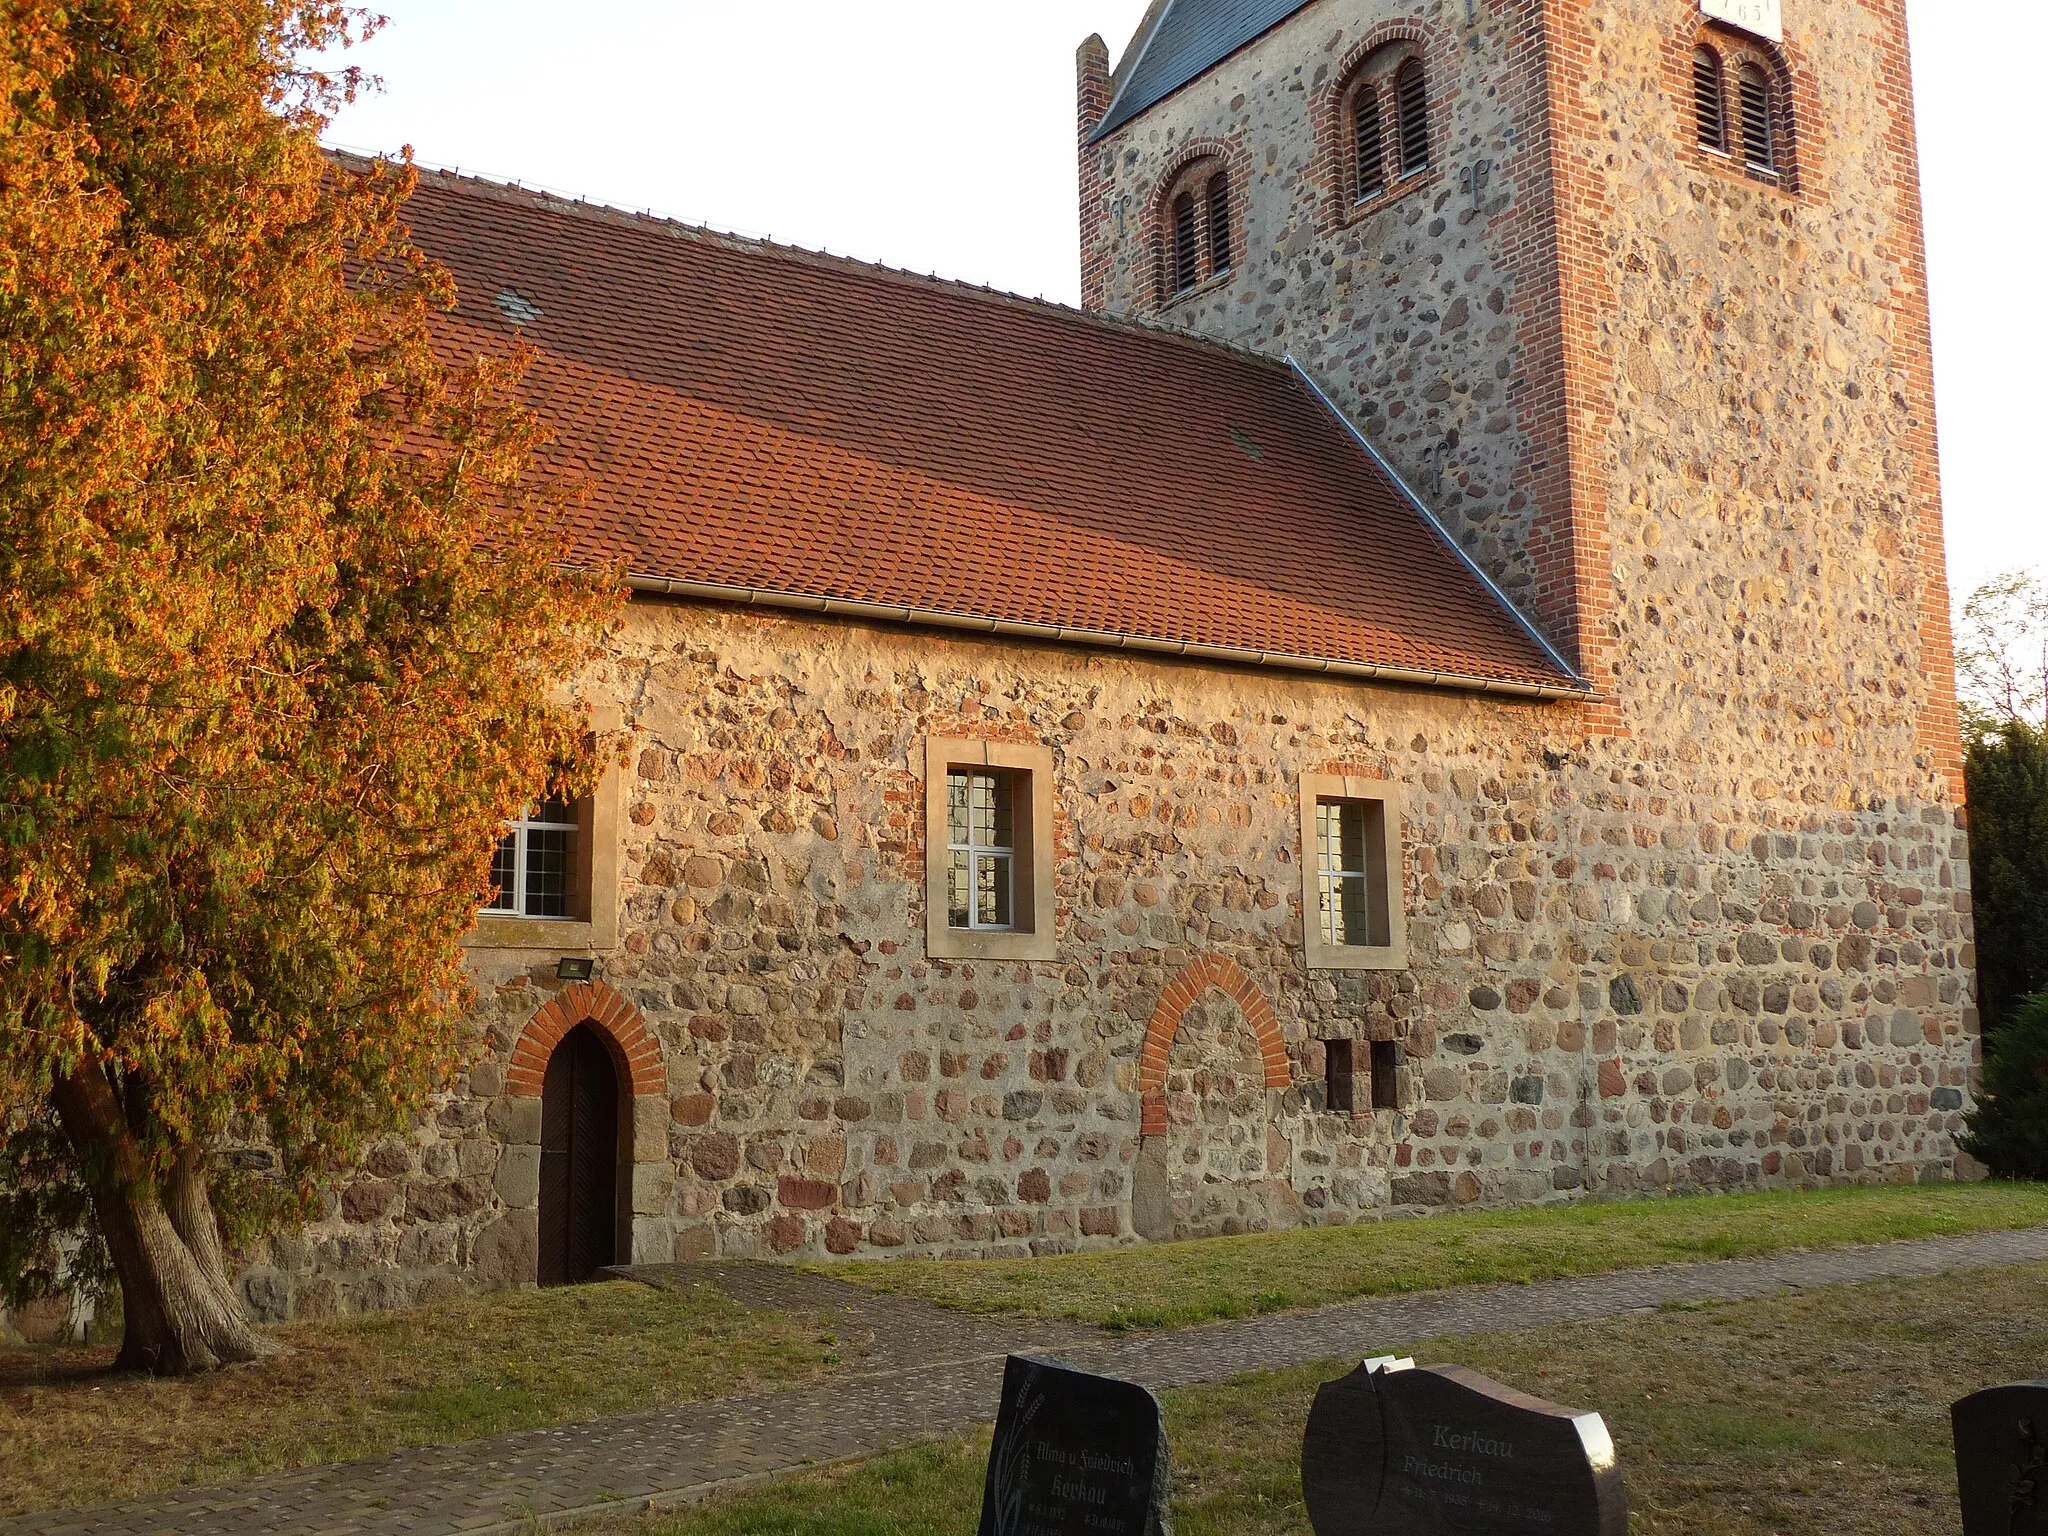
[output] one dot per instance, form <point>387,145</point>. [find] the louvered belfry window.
<point>1759,141</point>
<point>1198,240</point>
<point>1370,144</point>
<point>1187,244</point>
<point>1219,224</point>
<point>1411,101</point>
<point>1710,100</point>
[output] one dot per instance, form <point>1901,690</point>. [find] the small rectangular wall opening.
<point>1386,1064</point>
<point>1339,1081</point>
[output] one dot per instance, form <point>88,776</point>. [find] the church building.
<point>1431,689</point>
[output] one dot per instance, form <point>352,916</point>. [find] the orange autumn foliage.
<point>283,628</point>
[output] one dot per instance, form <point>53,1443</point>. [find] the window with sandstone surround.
<point>1198,232</point>
<point>988,850</point>
<point>541,867</point>
<point>556,871</point>
<point>1352,910</point>
<point>1383,123</point>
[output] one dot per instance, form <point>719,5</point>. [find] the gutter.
<point>1583,689</point>
<point>1102,639</point>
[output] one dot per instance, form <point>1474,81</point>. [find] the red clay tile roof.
<point>745,416</point>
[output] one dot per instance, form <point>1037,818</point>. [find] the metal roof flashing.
<point>1579,685</point>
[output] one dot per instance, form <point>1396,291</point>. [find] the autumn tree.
<point>2002,653</point>
<point>284,628</point>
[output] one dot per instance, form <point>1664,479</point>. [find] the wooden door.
<point>579,1160</point>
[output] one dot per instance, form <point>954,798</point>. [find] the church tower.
<point>1632,293</point>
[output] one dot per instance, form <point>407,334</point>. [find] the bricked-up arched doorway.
<point>582,1101</point>
<point>1213,1061</point>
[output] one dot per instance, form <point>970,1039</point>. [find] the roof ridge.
<point>580,207</point>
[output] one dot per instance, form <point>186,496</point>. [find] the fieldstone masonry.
<point>1619,983</point>
<point>1709,931</point>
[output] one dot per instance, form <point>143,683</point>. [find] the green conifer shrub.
<point>2007,773</point>
<point>2009,1127</point>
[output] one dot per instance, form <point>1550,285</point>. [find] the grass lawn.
<point>1822,1412</point>
<point>1169,1285</point>
<point>75,1434</point>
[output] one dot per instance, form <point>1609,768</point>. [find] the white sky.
<point>938,135</point>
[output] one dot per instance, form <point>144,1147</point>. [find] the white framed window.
<point>981,846</point>
<point>534,869</point>
<point>1351,906</point>
<point>1351,841</point>
<point>988,851</point>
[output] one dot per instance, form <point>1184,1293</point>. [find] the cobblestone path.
<point>927,1373</point>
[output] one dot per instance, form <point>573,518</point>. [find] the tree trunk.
<point>179,1313</point>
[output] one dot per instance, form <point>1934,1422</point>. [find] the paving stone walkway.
<point>927,1373</point>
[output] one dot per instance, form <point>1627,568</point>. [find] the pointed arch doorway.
<point>579,1160</point>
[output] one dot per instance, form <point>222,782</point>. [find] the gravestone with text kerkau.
<point>2002,1460</point>
<point>1075,1455</point>
<point>1396,1451</point>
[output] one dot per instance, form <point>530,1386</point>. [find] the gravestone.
<point>1075,1455</point>
<point>2002,1460</point>
<point>1396,1451</point>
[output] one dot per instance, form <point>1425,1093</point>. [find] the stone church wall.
<point>1632,971</point>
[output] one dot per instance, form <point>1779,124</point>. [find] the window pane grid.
<point>533,866</point>
<point>1344,873</point>
<point>981,866</point>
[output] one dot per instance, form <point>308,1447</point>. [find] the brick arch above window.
<point>1197,218</point>
<point>634,1049</point>
<point>1227,977</point>
<point>1718,57</point>
<point>1362,92</point>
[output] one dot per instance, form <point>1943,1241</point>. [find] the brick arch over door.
<point>635,1051</point>
<point>1224,974</point>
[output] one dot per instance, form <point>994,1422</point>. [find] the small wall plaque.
<point>1765,18</point>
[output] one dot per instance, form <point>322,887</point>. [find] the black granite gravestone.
<point>2002,1460</point>
<point>1395,1451</point>
<point>1075,1455</point>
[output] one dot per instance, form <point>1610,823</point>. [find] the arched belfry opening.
<point>582,1109</point>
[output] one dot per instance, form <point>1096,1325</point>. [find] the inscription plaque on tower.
<point>1395,1451</point>
<point>1766,18</point>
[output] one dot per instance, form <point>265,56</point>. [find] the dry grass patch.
<point>1170,1285</point>
<point>1820,1412</point>
<point>77,1434</point>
